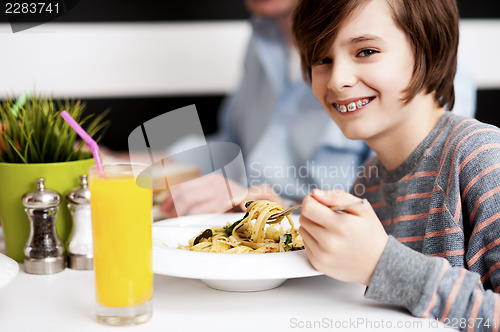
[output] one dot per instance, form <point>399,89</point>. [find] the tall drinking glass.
<point>121,229</point>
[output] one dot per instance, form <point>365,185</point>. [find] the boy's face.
<point>368,65</point>
<point>271,8</point>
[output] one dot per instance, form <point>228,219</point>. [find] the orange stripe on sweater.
<point>419,175</point>
<point>485,223</point>
<point>481,199</point>
<point>429,235</point>
<point>458,208</point>
<point>386,222</point>
<point>418,216</point>
<point>410,239</point>
<point>475,153</point>
<point>487,274</point>
<point>433,300</point>
<point>451,135</point>
<point>379,204</point>
<point>456,150</point>
<point>480,252</point>
<point>475,309</point>
<point>453,294</point>
<point>412,196</point>
<point>411,217</point>
<point>373,188</point>
<point>477,177</point>
<point>437,210</point>
<point>441,133</point>
<point>448,253</point>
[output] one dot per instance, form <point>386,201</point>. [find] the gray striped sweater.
<point>441,208</point>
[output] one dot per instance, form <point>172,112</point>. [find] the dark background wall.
<point>194,10</point>
<point>209,11</point>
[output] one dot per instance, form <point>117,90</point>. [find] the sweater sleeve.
<point>430,287</point>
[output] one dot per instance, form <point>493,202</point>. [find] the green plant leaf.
<point>30,154</point>
<point>16,150</point>
<point>35,131</point>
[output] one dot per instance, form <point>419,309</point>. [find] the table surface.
<point>65,302</point>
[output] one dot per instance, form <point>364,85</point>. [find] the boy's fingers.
<point>316,212</point>
<point>310,241</point>
<point>338,199</point>
<point>310,225</point>
<point>334,197</point>
<point>359,208</point>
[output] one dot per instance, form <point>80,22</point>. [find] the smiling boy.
<point>430,240</point>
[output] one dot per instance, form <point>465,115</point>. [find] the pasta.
<point>247,236</point>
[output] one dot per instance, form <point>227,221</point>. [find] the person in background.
<point>429,238</point>
<point>288,143</point>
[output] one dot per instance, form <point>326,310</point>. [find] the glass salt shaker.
<point>81,256</point>
<point>43,253</point>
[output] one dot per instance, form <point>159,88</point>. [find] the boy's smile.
<point>352,105</point>
<point>361,82</point>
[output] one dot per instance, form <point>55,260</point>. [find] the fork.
<point>273,218</point>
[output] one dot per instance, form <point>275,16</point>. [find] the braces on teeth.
<point>352,106</point>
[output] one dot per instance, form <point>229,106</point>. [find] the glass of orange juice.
<point>121,229</point>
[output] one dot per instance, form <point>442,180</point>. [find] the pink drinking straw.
<point>86,137</point>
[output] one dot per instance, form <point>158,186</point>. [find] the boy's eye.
<point>324,61</point>
<point>366,53</point>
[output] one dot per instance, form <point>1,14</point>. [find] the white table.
<point>65,302</point>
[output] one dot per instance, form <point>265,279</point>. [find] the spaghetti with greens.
<point>249,235</point>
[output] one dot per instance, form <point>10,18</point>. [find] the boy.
<point>383,70</point>
<point>281,160</point>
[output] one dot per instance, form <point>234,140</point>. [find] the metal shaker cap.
<point>80,195</point>
<point>42,198</point>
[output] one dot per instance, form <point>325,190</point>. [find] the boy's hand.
<point>345,246</point>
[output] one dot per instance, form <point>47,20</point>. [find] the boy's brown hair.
<point>431,26</point>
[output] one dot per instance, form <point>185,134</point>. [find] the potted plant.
<point>36,142</point>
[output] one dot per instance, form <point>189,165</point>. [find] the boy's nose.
<point>342,76</point>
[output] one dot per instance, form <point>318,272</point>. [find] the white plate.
<point>8,269</point>
<point>229,272</point>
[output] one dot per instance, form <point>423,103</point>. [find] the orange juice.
<point>121,227</point>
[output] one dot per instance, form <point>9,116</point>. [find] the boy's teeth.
<point>352,106</point>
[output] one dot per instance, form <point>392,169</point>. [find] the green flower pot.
<point>18,179</point>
